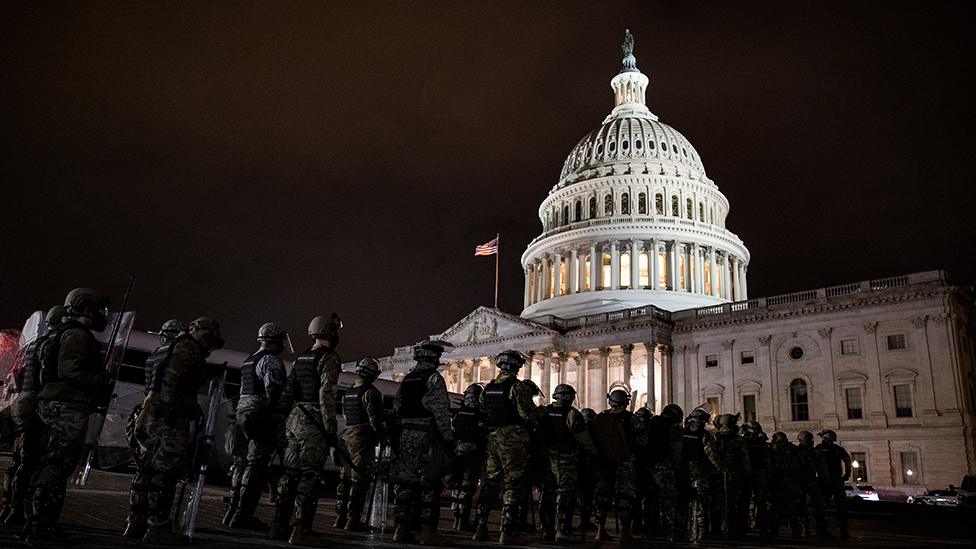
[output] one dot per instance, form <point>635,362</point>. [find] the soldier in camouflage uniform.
<point>693,474</point>
<point>27,424</point>
<point>564,437</point>
<point>587,480</point>
<point>729,456</point>
<point>510,417</point>
<point>426,440</point>
<point>235,446</point>
<point>784,461</point>
<point>310,430</point>
<point>162,429</point>
<point>137,520</point>
<point>812,479</point>
<point>73,376</point>
<point>470,455</point>
<point>838,463</point>
<point>646,507</point>
<point>618,436</point>
<point>756,490</point>
<point>260,415</point>
<point>362,406</point>
<point>663,452</point>
<point>536,468</point>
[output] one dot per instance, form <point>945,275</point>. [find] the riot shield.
<point>189,505</point>
<point>379,500</point>
<point>17,348</point>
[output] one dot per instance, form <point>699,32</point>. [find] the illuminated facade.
<point>887,363</point>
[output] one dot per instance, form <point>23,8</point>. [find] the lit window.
<point>586,274</point>
<point>853,397</point>
<point>662,277</point>
<point>712,403</point>
<point>625,270</point>
<point>645,278</point>
<point>562,278</point>
<point>848,346</point>
<point>642,203</point>
<point>625,204</point>
<point>903,400</point>
<point>605,280</point>
<point>681,271</point>
<point>552,281</point>
<point>859,462</point>
<point>909,468</point>
<point>708,277</point>
<point>896,342</point>
<point>674,206</point>
<point>608,205</point>
<point>799,404</point>
<point>711,361</point>
<point>659,204</point>
<point>747,357</point>
<point>748,407</point>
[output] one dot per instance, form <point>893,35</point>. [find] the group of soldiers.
<point>663,476</point>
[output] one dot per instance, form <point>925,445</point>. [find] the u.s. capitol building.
<point>636,281</point>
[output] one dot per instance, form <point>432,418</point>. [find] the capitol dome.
<point>633,220</point>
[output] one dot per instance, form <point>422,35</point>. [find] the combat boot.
<point>403,535</point>
<point>564,536</point>
<point>510,538</point>
<point>302,536</point>
<point>340,521</point>
<point>601,533</point>
<point>429,536</point>
<point>135,527</point>
<point>480,532</point>
<point>355,524</point>
<point>163,534</point>
<point>457,523</point>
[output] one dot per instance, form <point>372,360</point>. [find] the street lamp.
<point>857,470</point>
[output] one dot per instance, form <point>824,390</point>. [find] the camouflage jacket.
<point>80,372</point>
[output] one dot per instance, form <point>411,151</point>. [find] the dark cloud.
<point>254,163</point>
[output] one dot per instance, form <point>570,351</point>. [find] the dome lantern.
<point>630,85</point>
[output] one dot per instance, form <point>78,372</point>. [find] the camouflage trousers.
<point>420,463</point>
<point>812,497</point>
<point>354,485</point>
<point>666,504</point>
<point>559,490</point>
<point>834,493</point>
<point>265,432</point>
<point>694,501</point>
<point>25,454</point>
<point>727,519</point>
<point>616,482</point>
<point>506,460</point>
<point>235,445</point>
<point>756,503</point>
<point>587,487</point>
<point>163,437</point>
<point>464,479</point>
<point>65,427</point>
<point>305,457</point>
<point>787,501</point>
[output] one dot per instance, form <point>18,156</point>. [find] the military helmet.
<point>325,327</point>
<point>588,414</point>
<point>510,361</point>
<point>55,315</point>
<point>534,389</point>
<point>82,299</point>
<point>619,397</point>
<point>271,331</point>
<point>474,390</point>
<point>805,437</point>
<point>207,324</point>
<point>564,393</point>
<point>752,429</point>
<point>368,367</point>
<point>700,414</point>
<point>673,413</point>
<point>828,435</point>
<point>643,412</point>
<point>172,327</point>
<point>430,350</point>
<point>727,424</point>
<point>779,437</point>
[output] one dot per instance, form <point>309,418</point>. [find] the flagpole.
<point>498,250</point>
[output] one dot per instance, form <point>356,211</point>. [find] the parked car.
<point>967,491</point>
<point>936,497</point>
<point>863,492</point>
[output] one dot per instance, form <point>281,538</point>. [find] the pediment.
<point>485,324</point>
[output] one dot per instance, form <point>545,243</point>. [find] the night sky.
<point>253,163</point>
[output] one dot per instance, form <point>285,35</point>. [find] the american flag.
<point>488,248</point>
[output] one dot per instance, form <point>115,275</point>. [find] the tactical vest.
<point>49,350</point>
<point>466,424</point>
<point>758,453</point>
<point>31,380</point>
<point>352,406</point>
<point>413,388</point>
<point>557,431</point>
<point>251,384</point>
<point>308,375</point>
<point>157,362</point>
<point>692,448</point>
<point>499,408</point>
<point>831,458</point>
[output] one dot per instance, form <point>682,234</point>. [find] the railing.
<point>603,318</point>
<point>795,297</point>
<point>639,218</point>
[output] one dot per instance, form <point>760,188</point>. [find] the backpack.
<point>611,435</point>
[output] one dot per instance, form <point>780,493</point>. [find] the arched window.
<point>659,204</point>
<point>563,277</point>
<point>690,210</point>
<point>701,212</point>
<point>592,207</point>
<point>586,275</point>
<point>799,403</point>
<point>566,214</point>
<point>642,203</point>
<point>625,270</point>
<point>579,211</point>
<point>625,204</point>
<point>608,205</point>
<point>675,211</point>
<point>605,272</point>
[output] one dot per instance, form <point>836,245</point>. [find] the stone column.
<point>614,265</point>
<point>745,285</point>
<point>581,268</point>
<point>652,257</point>
<point>635,264</point>
<point>831,408</point>
<point>673,266</point>
<point>666,360</point>
<point>601,377</point>
<point>544,381</point>
<point>557,262</point>
<point>475,371</point>
<point>528,284</point>
<point>594,267</point>
<point>528,364</point>
<point>545,277</point>
<point>699,269</point>
<point>492,370</point>
<point>582,378</point>
<point>628,350</point>
<point>713,272</point>
<point>651,349</point>
<point>735,279</point>
<point>573,286</point>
